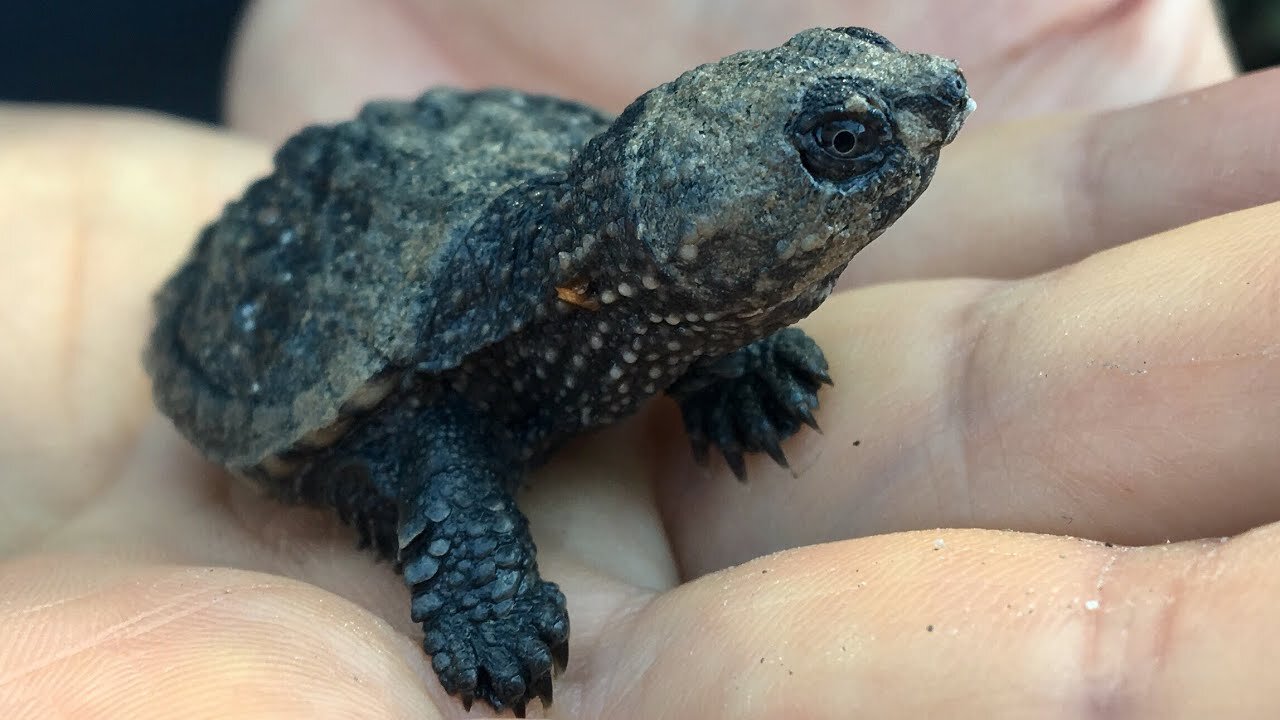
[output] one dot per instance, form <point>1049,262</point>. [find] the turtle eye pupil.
<point>844,142</point>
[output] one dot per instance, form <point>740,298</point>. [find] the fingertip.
<point>960,623</point>
<point>1033,195</point>
<point>104,640</point>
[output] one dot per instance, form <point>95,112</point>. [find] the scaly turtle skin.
<point>417,306</point>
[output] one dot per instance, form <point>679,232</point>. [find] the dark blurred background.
<point>159,54</point>
<point>1255,27</point>
<point>169,55</point>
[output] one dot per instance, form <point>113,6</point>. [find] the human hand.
<point>113,524</point>
<point>301,62</point>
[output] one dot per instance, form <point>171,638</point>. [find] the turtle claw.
<point>805,415</point>
<point>560,656</point>
<point>774,451</point>
<point>543,689</point>
<point>753,399</point>
<point>736,464</point>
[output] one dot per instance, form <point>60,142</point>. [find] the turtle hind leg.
<point>347,487</point>
<point>341,480</point>
<point>494,628</point>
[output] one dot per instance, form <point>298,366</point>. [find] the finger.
<point>1015,200</point>
<point>960,624</point>
<point>1133,397</point>
<point>94,209</point>
<point>92,639</point>
<point>301,62</point>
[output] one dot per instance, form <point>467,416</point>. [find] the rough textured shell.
<point>328,274</point>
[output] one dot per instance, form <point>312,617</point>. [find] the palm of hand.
<point>119,522</point>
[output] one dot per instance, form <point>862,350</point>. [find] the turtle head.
<point>751,181</point>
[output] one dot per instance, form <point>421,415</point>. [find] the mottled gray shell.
<point>306,298</point>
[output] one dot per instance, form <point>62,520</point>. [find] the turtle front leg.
<point>493,627</point>
<point>753,398</point>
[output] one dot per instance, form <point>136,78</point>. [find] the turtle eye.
<point>843,145</point>
<point>870,36</point>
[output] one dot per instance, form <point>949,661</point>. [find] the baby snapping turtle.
<point>417,306</point>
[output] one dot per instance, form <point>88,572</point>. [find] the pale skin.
<point>1116,377</point>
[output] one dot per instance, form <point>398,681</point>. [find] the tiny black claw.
<point>695,422</point>
<point>517,707</point>
<point>806,417</point>
<point>772,447</point>
<point>734,460</point>
<point>698,442</point>
<point>467,701</point>
<point>560,656</point>
<point>543,689</point>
